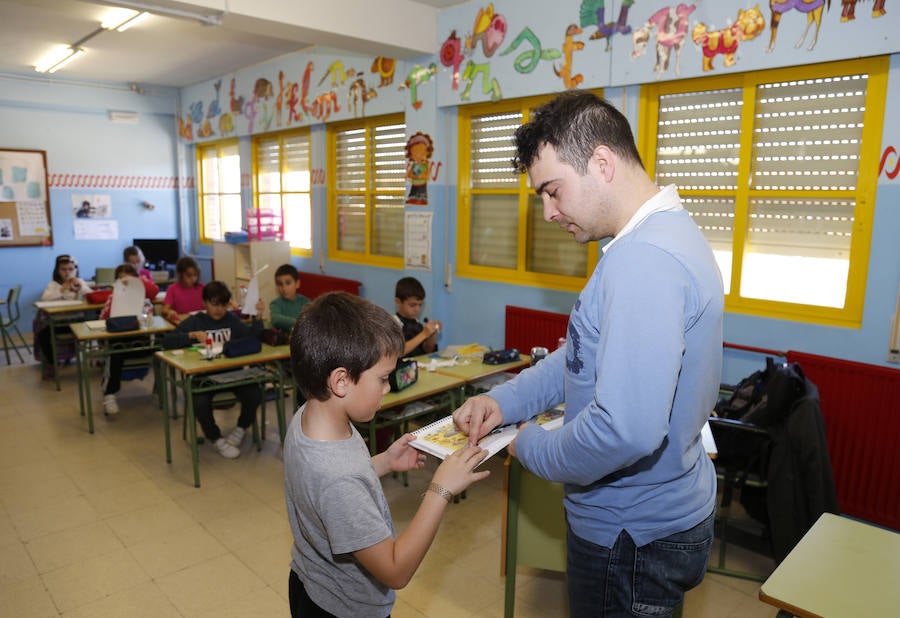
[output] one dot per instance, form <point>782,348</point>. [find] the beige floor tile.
<point>142,601</point>
<point>27,597</point>
<point>269,559</point>
<point>8,533</point>
<point>176,550</point>
<point>62,515</point>
<point>16,565</point>
<point>154,521</point>
<point>93,579</point>
<point>214,502</point>
<point>240,527</point>
<point>113,474</point>
<point>217,583</point>
<point>22,494</point>
<point>61,549</point>
<point>128,497</point>
<point>263,602</point>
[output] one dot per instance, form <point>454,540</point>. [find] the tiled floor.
<point>99,525</point>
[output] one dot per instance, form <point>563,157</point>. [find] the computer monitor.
<point>160,252</point>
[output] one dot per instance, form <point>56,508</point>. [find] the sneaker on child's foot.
<point>236,437</point>
<point>226,450</point>
<point>110,405</point>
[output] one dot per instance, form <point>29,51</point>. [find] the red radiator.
<point>314,284</point>
<point>861,406</point>
<point>526,328</point>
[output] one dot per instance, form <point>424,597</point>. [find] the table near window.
<point>189,370</point>
<point>94,341</point>
<point>59,312</point>
<point>841,568</point>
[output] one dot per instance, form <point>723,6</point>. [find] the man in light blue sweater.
<point>639,373</point>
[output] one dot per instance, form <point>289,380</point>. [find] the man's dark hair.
<point>216,293</point>
<point>287,269</point>
<point>409,287</point>
<point>338,329</point>
<point>574,123</point>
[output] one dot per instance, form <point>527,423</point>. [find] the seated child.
<point>134,256</point>
<point>112,373</point>
<point>409,296</point>
<point>346,557</point>
<point>64,285</point>
<point>186,294</point>
<point>287,306</point>
<point>222,325</point>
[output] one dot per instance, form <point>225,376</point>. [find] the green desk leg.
<point>54,361</point>
<point>162,372</point>
<point>512,533</point>
<point>192,427</point>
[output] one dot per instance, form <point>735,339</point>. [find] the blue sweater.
<point>640,375</point>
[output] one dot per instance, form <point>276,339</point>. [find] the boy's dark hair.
<point>216,293</point>
<point>184,263</point>
<point>125,268</point>
<point>127,252</point>
<point>409,287</point>
<point>574,123</point>
<point>287,269</point>
<point>338,329</point>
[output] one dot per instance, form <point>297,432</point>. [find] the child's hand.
<point>456,472</point>
<point>402,457</point>
<point>432,327</point>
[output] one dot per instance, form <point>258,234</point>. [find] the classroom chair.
<point>741,466</point>
<point>8,324</point>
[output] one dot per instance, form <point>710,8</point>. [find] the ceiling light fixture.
<point>121,19</point>
<point>208,18</point>
<point>58,58</point>
<point>133,21</point>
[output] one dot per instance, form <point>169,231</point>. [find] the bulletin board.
<point>24,199</point>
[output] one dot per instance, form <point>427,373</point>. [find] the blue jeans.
<point>636,581</point>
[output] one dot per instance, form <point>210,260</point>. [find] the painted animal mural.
<point>489,28</point>
<point>236,103</point>
<point>385,68</point>
<point>358,93</point>
<point>593,13</point>
<point>670,25</point>
<point>813,10</point>
<point>749,25</point>
<point>569,47</point>
<point>848,9</point>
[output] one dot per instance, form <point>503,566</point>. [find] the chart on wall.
<point>24,199</point>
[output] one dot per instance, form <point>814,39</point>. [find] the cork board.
<point>24,199</point>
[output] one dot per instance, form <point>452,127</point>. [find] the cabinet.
<point>235,263</point>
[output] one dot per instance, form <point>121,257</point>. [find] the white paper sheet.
<point>127,297</point>
<point>252,297</point>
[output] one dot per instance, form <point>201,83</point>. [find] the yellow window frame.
<point>218,145</point>
<point>281,136</point>
<point>850,315</point>
<point>366,257</point>
<point>520,275</point>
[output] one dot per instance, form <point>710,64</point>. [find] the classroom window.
<point>282,183</point>
<point>502,235</point>
<point>219,189</point>
<point>366,193</point>
<point>779,170</point>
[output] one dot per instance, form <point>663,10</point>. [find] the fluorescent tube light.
<point>133,21</point>
<point>58,58</point>
<point>122,19</point>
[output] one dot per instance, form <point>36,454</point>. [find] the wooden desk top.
<point>54,307</point>
<point>470,370</point>
<point>82,331</point>
<point>428,384</point>
<point>841,568</point>
<point>191,362</point>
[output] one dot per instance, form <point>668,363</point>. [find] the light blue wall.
<point>88,154</point>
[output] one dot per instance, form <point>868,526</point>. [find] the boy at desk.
<point>221,325</point>
<point>287,306</point>
<point>409,296</point>
<point>346,557</point>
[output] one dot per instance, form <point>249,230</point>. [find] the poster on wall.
<point>96,229</point>
<point>418,240</point>
<point>24,199</point>
<point>32,216</point>
<point>91,206</point>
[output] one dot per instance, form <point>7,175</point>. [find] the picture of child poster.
<point>91,206</point>
<point>6,229</point>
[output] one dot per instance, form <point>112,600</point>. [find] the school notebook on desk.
<point>441,438</point>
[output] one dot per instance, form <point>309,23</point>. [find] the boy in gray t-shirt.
<point>346,560</point>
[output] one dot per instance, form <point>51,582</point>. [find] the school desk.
<point>187,369</point>
<point>61,312</point>
<point>94,341</point>
<point>841,568</point>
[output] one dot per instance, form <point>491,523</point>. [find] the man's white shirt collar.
<point>666,200</point>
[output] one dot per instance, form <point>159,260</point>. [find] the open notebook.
<point>441,438</point>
